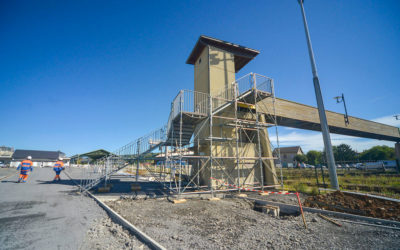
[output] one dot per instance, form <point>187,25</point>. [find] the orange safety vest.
<point>59,164</point>
<point>26,165</point>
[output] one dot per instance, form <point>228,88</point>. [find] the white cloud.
<point>389,120</point>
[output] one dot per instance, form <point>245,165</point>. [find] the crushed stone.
<point>233,224</point>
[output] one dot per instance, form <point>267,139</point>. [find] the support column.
<point>397,154</point>
<point>270,176</point>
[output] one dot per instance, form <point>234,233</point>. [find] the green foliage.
<point>314,191</point>
<point>344,152</point>
<point>314,157</point>
<point>300,158</point>
<point>378,153</point>
<point>301,188</point>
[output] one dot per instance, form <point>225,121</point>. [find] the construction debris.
<point>267,209</point>
<point>356,204</point>
<point>329,219</point>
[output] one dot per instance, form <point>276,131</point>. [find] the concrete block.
<point>241,195</point>
<point>178,201</point>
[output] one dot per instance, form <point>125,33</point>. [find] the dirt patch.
<point>356,204</point>
<point>233,224</point>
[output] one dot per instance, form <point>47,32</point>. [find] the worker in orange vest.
<point>58,167</point>
<point>25,166</point>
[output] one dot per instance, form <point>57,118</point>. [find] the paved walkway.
<point>42,214</point>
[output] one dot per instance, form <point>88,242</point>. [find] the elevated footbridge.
<point>190,108</point>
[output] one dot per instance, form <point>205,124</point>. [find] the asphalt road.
<point>42,214</point>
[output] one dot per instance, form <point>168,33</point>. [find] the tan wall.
<point>201,74</point>
<point>222,70</point>
<point>214,71</point>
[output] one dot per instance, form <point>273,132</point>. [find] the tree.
<point>300,158</point>
<point>378,153</point>
<point>344,152</point>
<point>314,157</point>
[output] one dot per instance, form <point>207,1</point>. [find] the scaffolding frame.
<point>193,120</point>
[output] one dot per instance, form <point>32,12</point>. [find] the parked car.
<point>359,166</point>
<point>390,164</point>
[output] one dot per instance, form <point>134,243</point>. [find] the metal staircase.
<point>187,109</point>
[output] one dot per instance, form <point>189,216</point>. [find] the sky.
<point>81,75</point>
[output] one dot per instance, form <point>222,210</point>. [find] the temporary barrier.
<point>250,189</point>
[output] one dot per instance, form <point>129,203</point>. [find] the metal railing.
<point>253,81</point>
<point>122,157</point>
<point>188,101</point>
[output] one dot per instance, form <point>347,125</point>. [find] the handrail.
<point>189,101</point>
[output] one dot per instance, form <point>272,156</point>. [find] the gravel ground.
<point>233,224</point>
<point>105,234</point>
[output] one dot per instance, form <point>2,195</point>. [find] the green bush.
<point>314,191</point>
<point>301,188</point>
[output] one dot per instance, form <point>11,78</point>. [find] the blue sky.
<point>81,75</point>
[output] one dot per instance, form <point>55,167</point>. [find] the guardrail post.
<point>138,161</point>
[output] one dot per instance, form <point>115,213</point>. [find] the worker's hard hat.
<point>29,157</point>
<point>60,158</point>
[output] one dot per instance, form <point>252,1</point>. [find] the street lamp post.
<point>321,110</point>
<point>340,99</point>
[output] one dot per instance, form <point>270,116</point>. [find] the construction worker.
<point>25,166</point>
<point>58,167</point>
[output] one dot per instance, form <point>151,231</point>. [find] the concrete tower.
<point>215,64</point>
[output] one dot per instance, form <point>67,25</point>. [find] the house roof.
<point>242,55</point>
<point>36,154</point>
<point>94,155</point>
<point>289,150</point>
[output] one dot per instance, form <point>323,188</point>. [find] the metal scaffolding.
<point>220,136</point>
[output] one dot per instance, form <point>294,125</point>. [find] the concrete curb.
<point>118,218</point>
<point>126,224</point>
<point>289,207</point>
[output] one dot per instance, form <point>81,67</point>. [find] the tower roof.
<point>242,55</point>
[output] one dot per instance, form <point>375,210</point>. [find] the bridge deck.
<point>297,115</point>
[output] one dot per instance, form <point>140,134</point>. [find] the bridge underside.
<point>297,115</point>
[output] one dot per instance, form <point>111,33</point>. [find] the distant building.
<point>88,157</point>
<point>39,158</point>
<point>6,154</point>
<point>288,154</point>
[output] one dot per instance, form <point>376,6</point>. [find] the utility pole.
<point>321,110</point>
